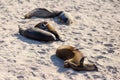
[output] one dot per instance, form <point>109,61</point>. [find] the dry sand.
<point>95,31</point>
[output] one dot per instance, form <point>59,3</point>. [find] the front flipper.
<point>68,63</point>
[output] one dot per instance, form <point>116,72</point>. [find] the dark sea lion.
<point>74,59</point>
<point>42,13</point>
<point>37,34</point>
<point>48,27</point>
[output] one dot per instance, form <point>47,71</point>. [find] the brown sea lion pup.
<point>37,34</point>
<point>42,13</point>
<point>48,27</point>
<point>74,59</point>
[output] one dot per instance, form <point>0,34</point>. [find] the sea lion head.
<point>65,18</point>
<point>42,25</point>
<point>21,30</point>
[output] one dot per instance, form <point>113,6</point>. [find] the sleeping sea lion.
<point>37,34</point>
<point>67,53</point>
<point>42,13</point>
<point>74,59</point>
<point>48,27</point>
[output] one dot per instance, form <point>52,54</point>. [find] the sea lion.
<point>65,18</point>
<point>37,34</point>
<point>42,13</point>
<point>48,27</point>
<point>74,59</point>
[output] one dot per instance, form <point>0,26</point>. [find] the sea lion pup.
<point>48,27</point>
<point>74,59</point>
<point>69,53</point>
<point>37,34</point>
<point>42,13</point>
<point>65,18</point>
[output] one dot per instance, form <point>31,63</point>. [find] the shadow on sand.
<point>59,63</point>
<point>30,41</point>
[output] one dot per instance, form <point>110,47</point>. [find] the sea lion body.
<point>42,13</point>
<point>37,34</point>
<point>48,27</point>
<point>74,59</point>
<point>65,52</point>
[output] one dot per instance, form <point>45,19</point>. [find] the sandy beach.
<point>95,32</point>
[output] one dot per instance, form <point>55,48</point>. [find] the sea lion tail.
<point>21,30</point>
